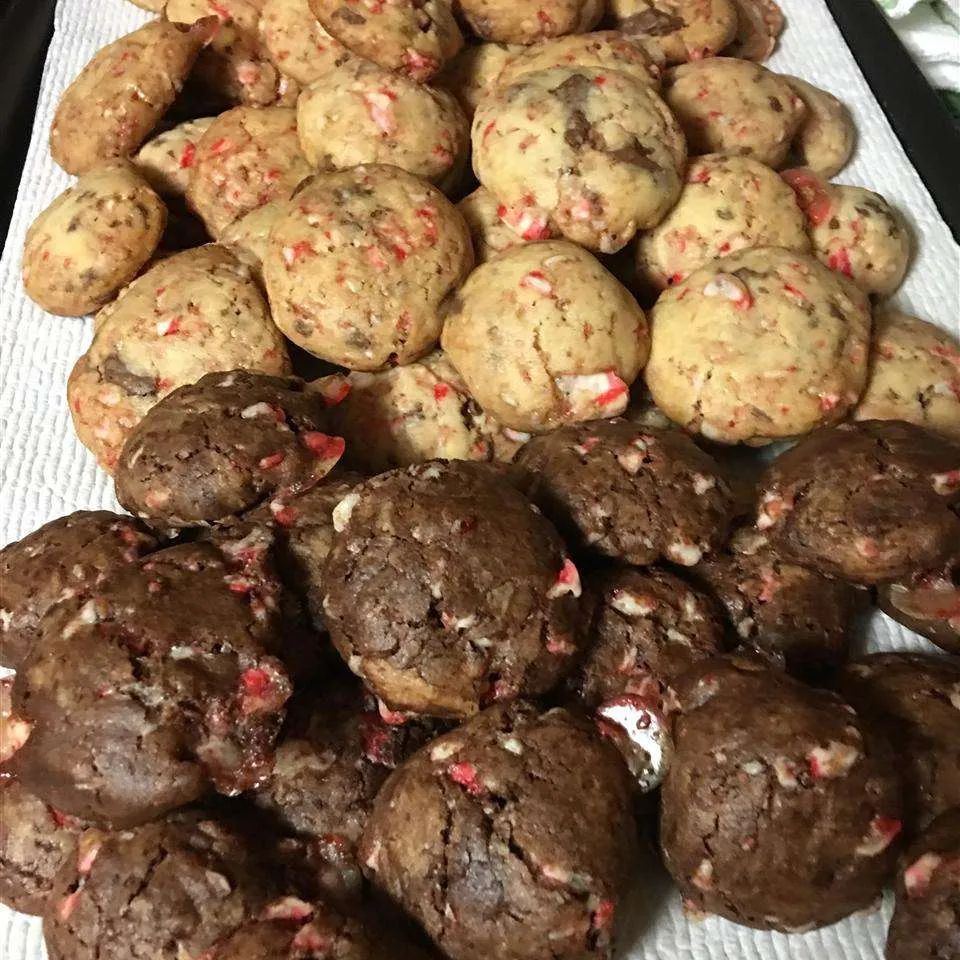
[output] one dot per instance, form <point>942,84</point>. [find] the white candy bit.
<point>832,761</point>
<point>343,511</point>
<point>702,483</point>
<point>631,460</point>
<point>517,436</point>
<point>568,581</point>
<point>883,831</point>
<point>156,499</point>
<point>589,393</point>
<point>771,508</point>
<point>535,280</point>
<point>431,473</point>
<point>287,908</point>
<point>702,878</point>
<point>683,552</point>
<point>444,751</point>
<point>631,604</point>
<point>753,768</point>
<point>786,771</point>
<point>729,287</point>
<point>917,877</point>
<point>380,108</point>
<point>261,409</point>
<point>181,652</point>
<point>513,745</point>
<point>555,873</point>
<point>946,483</point>
<point>372,860</point>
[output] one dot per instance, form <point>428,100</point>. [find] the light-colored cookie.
<point>474,72</point>
<point>733,106</point>
<point>827,136</point>
<point>121,94</point>
<point>411,414</point>
<point>92,240</point>
<point>363,113</point>
<point>543,335</point>
<point>729,203</point>
<point>914,375</point>
<point>527,21</point>
<point>595,153</point>
<point>414,37</point>
<point>297,42</point>
<point>167,159</point>
<point>759,24</point>
<point>358,268</point>
<point>489,233</point>
<point>247,157</point>
<point>758,346</point>
<point>194,313</point>
<point>683,29</point>
<point>247,237</point>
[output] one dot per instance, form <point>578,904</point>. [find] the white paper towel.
<point>45,472</point>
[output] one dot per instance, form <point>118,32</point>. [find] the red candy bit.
<point>377,740</point>
<point>298,251</point>
<point>87,853</point>
<point>441,391</point>
<point>219,146</point>
<point>561,646</point>
<point>287,908</point>
<point>167,328</point>
<point>418,64</point>
<point>839,260</point>
<point>729,287</point>
<point>310,941</point>
<point>698,175</point>
<point>674,279</point>
<point>603,915</point>
<point>811,193</point>
<point>63,820</point>
<point>568,581</point>
<point>271,461</point>
<point>323,446</point>
<point>68,904</point>
<point>917,877</point>
<point>188,156</point>
<point>535,280</point>
<point>284,514</point>
<point>395,718</point>
<point>546,21</point>
<point>262,689</point>
<point>834,760</point>
<point>614,392</point>
<point>465,775</point>
<point>883,831</point>
<point>829,401</point>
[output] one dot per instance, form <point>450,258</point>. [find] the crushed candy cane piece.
<point>883,831</point>
<point>729,287</point>
<point>917,877</point>
<point>834,760</point>
<point>568,581</point>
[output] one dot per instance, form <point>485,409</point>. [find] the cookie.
<point>358,267</point>
<point>495,824</point>
<point>154,689</point>
<point>363,113</point>
<point>528,21</point>
<point>868,502</point>
<point>490,234</point>
<point>681,29</point>
<point>248,236</point>
<point>297,42</point>
<point>474,72</point>
<point>639,495</point>
<point>914,375</point>
<point>214,449</point>
<point>728,204</point>
<point>927,603</point>
<point>926,920</point>
<point>63,559</point>
<point>914,699</point>
<point>544,336</point>
<point>15,729</point>
<point>827,135</point>
<point>595,154</point>
<point>190,314</point>
<point>792,614</point>
<point>733,106</point>
<point>167,890</point>
<point>447,590</point>
<point>97,119</point>
<point>757,755</point>
<point>414,37</point>
<point>759,24</point>
<point>411,414</point>
<point>166,160</point>
<point>92,240</point>
<point>35,840</point>
<point>760,345</point>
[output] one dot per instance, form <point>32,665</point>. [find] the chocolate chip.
<point>350,16</point>
<point>775,105</point>
<point>653,22</point>
<point>114,370</point>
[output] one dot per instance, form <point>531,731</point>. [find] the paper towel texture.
<point>45,472</point>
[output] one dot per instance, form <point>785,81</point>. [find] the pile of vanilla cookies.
<point>434,346</point>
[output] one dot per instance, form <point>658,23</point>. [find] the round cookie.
<point>760,345</point>
<point>682,29</point>
<point>154,689</point>
<point>928,604</point>
<point>65,558</point>
<point>728,204</point>
<point>190,314</point>
<point>92,240</point>
<point>759,755</point>
<point>247,157</point>
<point>733,106</point>
<point>790,613</point>
<point>868,502</point>
<point>926,920</point>
<point>35,840</point>
<point>97,119</point>
<point>167,159</point>
<point>411,414</point>
<point>914,699</point>
<point>603,50</point>
<point>414,37</point>
<point>490,234</point>
<point>595,154</point>
<point>474,72</point>
<point>527,21</point>
<point>358,268</point>
<point>759,24</point>
<point>214,449</point>
<point>624,491</point>
<point>364,114</point>
<point>543,335</point>
<point>297,42</point>
<point>447,589</point>
<point>248,237</point>
<point>495,824</point>
<point>827,135</point>
<point>166,890</point>
<point>914,375</point>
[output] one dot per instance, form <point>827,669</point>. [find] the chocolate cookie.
<point>926,921</point>
<point>928,603</point>
<point>64,559</point>
<point>792,613</point>
<point>628,492</point>
<point>446,589</point>
<point>488,837</point>
<point>868,501</point>
<point>757,756</point>
<point>153,689</point>
<point>915,701</point>
<point>213,450</point>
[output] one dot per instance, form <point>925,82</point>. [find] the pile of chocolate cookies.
<point>451,576</point>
